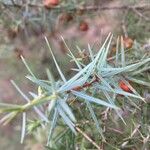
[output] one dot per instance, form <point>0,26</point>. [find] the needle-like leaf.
<point>122,53</point>
<point>27,66</point>
<point>66,119</point>
<point>74,58</point>
<point>95,119</point>
<point>94,100</point>
<point>23,131</point>
<point>53,125</point>
<point>57,66</point>
<point>67,109</point>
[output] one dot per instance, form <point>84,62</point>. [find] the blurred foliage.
<point>136,26</point>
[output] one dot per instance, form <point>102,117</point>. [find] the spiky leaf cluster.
<point>95,83</point>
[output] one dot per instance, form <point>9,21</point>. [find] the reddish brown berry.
<point>66,17</point>
<point>124,87</point>
<point>83,26</point>
<point>50,3</point>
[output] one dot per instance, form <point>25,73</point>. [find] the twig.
<point>105,113</point>
<point>124,29</point>
<point>124,25</point>
<point>132,134</point>
<point>140,14</point>
<point>115,130</point>
<point>88,138</point>
<point>135,130</point>
<point>85,85</point>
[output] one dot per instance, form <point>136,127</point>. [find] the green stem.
<point>38,101</point>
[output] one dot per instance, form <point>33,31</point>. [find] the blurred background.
<point>24,23</point>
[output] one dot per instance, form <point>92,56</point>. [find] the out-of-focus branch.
<point>138,7</point>
<point>20,5</point>
<point>83,8</point>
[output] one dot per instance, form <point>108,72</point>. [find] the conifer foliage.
<point>96,83</point>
